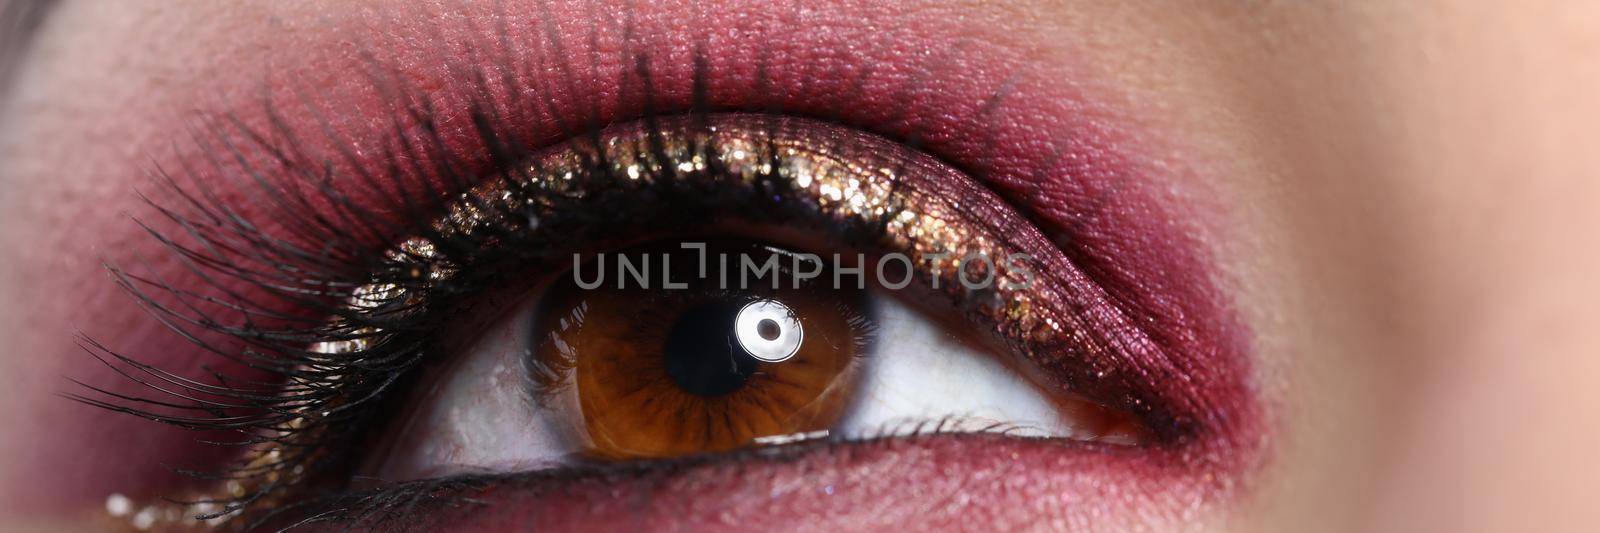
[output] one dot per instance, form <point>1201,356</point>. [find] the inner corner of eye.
<point>690,346</point>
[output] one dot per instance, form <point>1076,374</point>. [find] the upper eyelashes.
<point>338,293</point>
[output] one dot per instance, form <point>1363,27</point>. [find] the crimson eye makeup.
<point>636,274</point>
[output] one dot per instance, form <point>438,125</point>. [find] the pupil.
<point>703,357</point>
<point>768,329</point>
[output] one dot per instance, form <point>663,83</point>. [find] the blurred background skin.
<point>1412,230</point>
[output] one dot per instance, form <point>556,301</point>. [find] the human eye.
<point>548,278</point>
<point>717,330</point>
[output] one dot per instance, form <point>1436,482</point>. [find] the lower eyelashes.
<point>612,373</point>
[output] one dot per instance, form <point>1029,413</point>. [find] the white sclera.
<point>747,328</point>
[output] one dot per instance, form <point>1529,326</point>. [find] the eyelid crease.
<point>429,163</point>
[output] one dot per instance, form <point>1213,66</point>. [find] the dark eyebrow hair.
<point>19,21</point>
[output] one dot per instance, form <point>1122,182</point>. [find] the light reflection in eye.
<point>769,331</point>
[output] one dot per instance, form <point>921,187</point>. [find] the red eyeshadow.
<point>1030,131</point>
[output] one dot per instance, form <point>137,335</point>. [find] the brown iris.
<point>661,365</point>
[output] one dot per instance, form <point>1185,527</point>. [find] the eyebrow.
<point>20,21</point>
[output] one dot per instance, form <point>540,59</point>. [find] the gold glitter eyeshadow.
<point>837,177</point>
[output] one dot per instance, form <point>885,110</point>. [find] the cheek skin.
<point>997,105</point>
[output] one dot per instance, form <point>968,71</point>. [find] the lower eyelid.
<point>825,484</point>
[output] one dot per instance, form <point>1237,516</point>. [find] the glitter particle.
<point>118,505</point>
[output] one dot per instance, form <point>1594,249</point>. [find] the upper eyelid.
<point>1005,88</point>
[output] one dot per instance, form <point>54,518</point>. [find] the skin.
<point>1403,223</point>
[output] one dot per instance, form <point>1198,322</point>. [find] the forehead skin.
<point>1409,232</point>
